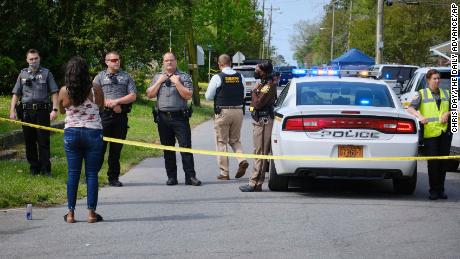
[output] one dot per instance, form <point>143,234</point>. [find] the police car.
<point>342,117</point>
<point>249,81</point>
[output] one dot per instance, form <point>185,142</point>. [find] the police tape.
<point>239,155</point>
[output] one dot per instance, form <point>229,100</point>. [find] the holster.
<point>155,114</point>
<point>19,111</point>
<point>126,108</point>
<point>188,111</point>
<point>217,110</point>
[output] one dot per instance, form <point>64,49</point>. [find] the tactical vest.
<point>231,90</point>
<point>429,110</point>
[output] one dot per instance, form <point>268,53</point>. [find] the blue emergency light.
<point>299,72</point>
<point>364,102</point>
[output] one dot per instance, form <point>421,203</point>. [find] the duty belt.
<point>172,113</point>
<point>35,106</point>
<point>231,107</point>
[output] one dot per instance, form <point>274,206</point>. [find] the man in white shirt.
<point>227,91</point>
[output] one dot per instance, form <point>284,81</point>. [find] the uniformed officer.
<point>263,99</point>
<point>173,88</point>
<point>119,94</point>
<point>33,87</point>
<point>227,91</point>
<point>431,106</point>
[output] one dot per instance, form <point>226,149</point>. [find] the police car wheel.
<point>277,182</point>
<point>405,185</point>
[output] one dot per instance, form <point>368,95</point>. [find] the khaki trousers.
<point>262,144</point>
<point>227,126</point>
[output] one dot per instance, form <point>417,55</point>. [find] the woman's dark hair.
<point>77,80</point>
<point>267,67</point>
<point>431,72</point>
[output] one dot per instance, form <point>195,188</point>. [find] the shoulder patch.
<point>265,89</point>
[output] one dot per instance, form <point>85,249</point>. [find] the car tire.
<point>452,165</point>
<point>405,184</point>
<point>277,182</point>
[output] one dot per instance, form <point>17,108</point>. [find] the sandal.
<point>94,217</point>
<point>69,217</point>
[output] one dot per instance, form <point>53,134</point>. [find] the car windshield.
<point>343,93</point>
<point>246,72</point>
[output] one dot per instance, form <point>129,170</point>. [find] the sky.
<point>291,12</point>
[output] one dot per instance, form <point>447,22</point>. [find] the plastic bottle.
<point>29,212</point>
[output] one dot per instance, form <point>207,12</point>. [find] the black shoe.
<point>433,196</point>
<point>193,181</point>
<point>115,183</point>
<point>171,181</point>
<point>443,195</point>
<point>247,188</point>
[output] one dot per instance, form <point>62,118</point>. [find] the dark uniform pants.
<point>171,127</point>
<point>115,125</point>
<point>438,146</point>
<point>39,159</point>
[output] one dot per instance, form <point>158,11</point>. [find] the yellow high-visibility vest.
<point>429,110</point>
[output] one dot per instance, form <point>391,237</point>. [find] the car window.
<point>445,81</point>
<point>405,73</point>
<point>390,73</point>
<point>282,95</point>
<point>343,93</point>
<point>410,84</point>
<point>246,72</point>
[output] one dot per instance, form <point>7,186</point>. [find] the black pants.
<point>438,146</point>
<point>38,158</point>
<point>115,125</point>
<point>170,128</point>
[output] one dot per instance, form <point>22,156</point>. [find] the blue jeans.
<point>79,144</point>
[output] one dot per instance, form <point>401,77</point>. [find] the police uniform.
<point>173,122</point>
<point>227,91</point>
<point>34,90</point>
<point>263,99</point>
<point>115,125</point>
<point>436,135</point>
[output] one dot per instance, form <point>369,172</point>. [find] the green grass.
<point>6,127</point>
<point>19,187</point>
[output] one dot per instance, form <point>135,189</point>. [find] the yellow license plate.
<point>350,151</point>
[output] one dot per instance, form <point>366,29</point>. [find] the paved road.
<point>332,219</point>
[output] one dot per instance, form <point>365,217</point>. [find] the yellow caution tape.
<point>242,155</point>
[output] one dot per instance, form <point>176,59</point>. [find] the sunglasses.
<point>113,60</point>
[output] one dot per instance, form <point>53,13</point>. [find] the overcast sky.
<point>291,12</point>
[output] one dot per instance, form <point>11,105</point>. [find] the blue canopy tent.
<point>353,59</point>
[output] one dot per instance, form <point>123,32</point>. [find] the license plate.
<point>350,151</point>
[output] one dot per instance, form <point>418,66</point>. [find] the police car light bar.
<point>301,72</point>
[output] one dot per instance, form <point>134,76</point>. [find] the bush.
<point>8,74</point>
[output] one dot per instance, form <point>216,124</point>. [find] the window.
<point>343,93</point>
<point>282,95</point>
<point>390,73</point>
<point>246,72</point>
<point>410,84</point>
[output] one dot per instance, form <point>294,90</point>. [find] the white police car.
<point>334,117</point>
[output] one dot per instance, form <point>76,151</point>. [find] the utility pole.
<point>192,66</point>
<point>349,25</point>
<point>270,30</point>
<point>332,30</point>
<point>209,62</point>
<point>263,30</point>
<point>379,33</point>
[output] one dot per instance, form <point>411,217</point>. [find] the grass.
<point>5,127</point>
<point>19,187</point>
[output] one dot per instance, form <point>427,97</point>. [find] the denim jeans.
<point>79,144</point>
